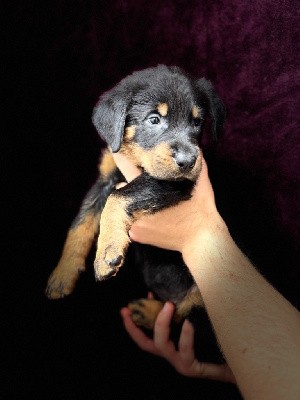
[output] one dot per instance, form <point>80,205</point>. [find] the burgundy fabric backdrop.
<point>60,57</point>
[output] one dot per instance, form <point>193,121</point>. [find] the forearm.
<point>258,330</point>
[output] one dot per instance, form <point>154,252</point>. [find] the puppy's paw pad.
<point>108,262</point>
<point>104,270</point>
<point>115,262</point>
<point>144,312</point>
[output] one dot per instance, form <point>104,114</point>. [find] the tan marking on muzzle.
<point>158,161</point>
<point>152,160</point>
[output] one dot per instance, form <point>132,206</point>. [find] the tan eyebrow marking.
<point>195,111</point>
<point>162,108</point>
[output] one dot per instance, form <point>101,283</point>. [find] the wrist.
<point>205,242</point>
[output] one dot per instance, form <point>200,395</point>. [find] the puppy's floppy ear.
<point>109,115</point>
<point>212,102</point>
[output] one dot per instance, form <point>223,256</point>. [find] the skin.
<point>258,330</point>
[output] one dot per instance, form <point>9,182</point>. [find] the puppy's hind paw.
<point>144,312</point>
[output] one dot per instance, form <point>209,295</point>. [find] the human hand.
<point>183,359</point>
<point>175,228</point>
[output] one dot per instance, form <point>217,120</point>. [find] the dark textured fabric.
<point>61,56</point>
<point>250,50</point>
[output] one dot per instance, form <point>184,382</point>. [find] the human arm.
<point>257,328</point>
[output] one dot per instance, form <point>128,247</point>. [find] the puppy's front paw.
<point>63,279</point>
<point>113,240</point>
<point>144,312</point>
<point>108,262</point>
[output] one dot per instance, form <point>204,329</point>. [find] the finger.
<point>203,179</point>
<point>120,185</point>
<point>137,335</point>
<point>150,295</point>
<point>218,372</point>
<point>186,343</point>
<point>127,168</point>
<point>162,332</point>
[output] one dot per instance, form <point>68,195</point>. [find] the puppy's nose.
<point>184,161</point>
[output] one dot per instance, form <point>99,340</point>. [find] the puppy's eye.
<point>154,120</point>
<point>197,121</point>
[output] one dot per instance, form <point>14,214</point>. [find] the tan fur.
<point>77,246</point>
<point>157,158</point>
<point>113,240</point>
<point>133,152</point>
<point>129,133</point>
<point>158,161</point>
<point>192,299</point>
<point>195,111</point>
<point>107,164</point>
<point>145,311</point>
<point>163,108</point>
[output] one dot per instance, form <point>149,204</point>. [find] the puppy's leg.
<point>81,235</point>
<point>113,240</point>
<point>192,299</point>
<point>145,311</point>
<point>142,195</point>
<point>79,240</point>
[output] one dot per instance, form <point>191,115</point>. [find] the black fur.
<point>153,194</point>
<point>139,90</point>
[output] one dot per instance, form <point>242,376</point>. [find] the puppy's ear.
<point>215,106</point>
<point>109,116</point>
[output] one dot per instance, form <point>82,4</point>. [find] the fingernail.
<point>166,306</point>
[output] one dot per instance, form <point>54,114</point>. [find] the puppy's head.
<point>156,117</point>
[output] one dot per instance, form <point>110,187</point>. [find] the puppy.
<point>156,118</point>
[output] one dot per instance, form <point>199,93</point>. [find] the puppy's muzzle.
<point>184,161</point>
<point>185,157</point>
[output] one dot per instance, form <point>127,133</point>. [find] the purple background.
<point>60,57</point>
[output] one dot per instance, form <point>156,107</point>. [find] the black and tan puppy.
<point>155,117</point>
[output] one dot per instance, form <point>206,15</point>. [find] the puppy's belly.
<point>164,272</point>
